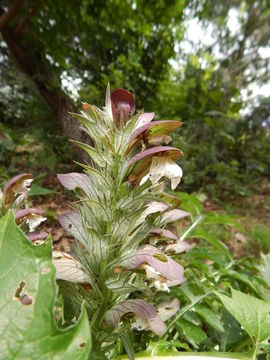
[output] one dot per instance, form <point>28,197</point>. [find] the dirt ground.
<point>249,211</point>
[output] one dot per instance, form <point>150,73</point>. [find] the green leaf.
<point>39,190</point>
<point>190,203</point>
<point>234,334</point>
<point>211,239</point>
<point>192,333</point>
<point>250,312</point>
<point>214,218</point>
<point>28,291</point>
<point>100,161</point>
<point>127,342</point>
<point>209,317</point>
<point>265,268</point>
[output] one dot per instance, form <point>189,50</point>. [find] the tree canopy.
<point>56,54</point>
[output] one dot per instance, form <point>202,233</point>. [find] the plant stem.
<point>255,350</point>
<point>186,233</point>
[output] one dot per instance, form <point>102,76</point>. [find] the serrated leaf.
<point>250,312</point>
<point>28,290</point>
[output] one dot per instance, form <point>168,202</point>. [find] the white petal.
<point>158,139</point>
<point>34,220</point>
<point>164,166</point>
<point>151,273</point>
<point>173,172</point>
<point>144,179</point>
<point>139,324</point>
<point>161,285</point>
<point>157,169</point>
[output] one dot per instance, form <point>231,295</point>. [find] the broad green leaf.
<point>209,317</point>
<point>192,333</point>
<point>251,313</point>
<point>28,328</point>
<point>234,333</point>
<point>265,268</point>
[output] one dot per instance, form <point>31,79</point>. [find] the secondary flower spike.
<point>123,105</point>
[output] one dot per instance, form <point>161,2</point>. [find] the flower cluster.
<point>14,197</point>
<point>124,223</point>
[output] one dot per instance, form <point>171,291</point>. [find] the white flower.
<point>164,312</point>
<point>34,220</point>
<point>159,282</point>
<point>22,189</point>
<point>157,139</point>
<point>140,324</point>
<point>163,166</point>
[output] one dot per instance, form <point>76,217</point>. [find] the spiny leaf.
<point>252,313</point>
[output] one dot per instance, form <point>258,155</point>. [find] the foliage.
<point>27,302</point>
<point>30,135</point>
<point>259,240</point>
<point>120,39</point>
<point>225,135</point>
<point>224,152</point>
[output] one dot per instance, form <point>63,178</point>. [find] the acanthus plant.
<point>14,197</point>
<point>123,224</point>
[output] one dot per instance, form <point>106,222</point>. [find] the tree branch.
<point>12,11</point>
<point>24,22</point>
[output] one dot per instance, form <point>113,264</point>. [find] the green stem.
<point>188,231</point>
<point>187,308</point>
<point>254,356</point>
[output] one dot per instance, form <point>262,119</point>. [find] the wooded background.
<point>205,62</point>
